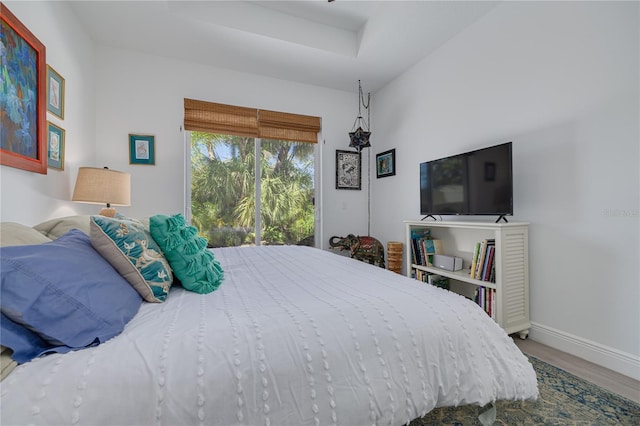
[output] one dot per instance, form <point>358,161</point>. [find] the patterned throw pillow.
<point>192,263</point>
<point>132,251</point>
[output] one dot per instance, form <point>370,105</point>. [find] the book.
<point>420,233</point>
<point>489,264</point>
<point>417,250</point>
<point>480,299</point>
<point>431,247</point>
<point>423,247</point>
<point>474,260</point>
<point>493,304</point>
<point>415,254</point>
<point>483,258</point>
<point>483,249</point>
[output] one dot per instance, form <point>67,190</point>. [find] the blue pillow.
<point>25,343</point>
<point>63,293</point>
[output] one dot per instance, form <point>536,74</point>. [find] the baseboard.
<point>613,359</point>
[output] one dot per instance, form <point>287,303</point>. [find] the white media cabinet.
<point>511,265</point>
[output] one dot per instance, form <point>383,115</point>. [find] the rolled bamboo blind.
<point>202,116</point>
<point>210,117</point>
<point>287,126</point>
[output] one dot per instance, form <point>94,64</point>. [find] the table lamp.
<point>103,186</point>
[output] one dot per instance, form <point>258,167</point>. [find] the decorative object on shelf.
<point>142,149</point>
<point>23,139</point>
<point>386,164</point>
<point>55,93</point>
<point>348,170</point>
<point>103,186</point>
<point>394,256</point>
<point>360,136</point>
<point>55,146</point>
<point>366,249</point>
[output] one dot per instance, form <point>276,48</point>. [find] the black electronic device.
<point>477,182</point>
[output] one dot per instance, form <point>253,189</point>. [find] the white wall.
<point>560,80</point>
<point>31,198</point>
<point>144,94</point>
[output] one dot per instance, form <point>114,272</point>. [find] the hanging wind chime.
<point>360,136</point>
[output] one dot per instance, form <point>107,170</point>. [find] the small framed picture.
<point>348,170</point>
<point>55,93</point>
<point>386,163</point>
<point>142,149</point>
<point>55,146</point>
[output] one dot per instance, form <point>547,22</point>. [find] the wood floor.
<point>600,376</point>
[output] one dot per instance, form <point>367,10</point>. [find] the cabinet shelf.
<point>511,284</point>
<point>462,275</point>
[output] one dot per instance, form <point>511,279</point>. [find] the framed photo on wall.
<point>386,163</point>
<point>55,146</point>
<point>55,93</point>
<point>23,139</point>
<point>348,170</point>
<point>142,149</point>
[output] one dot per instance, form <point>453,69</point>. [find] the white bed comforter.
<point>293,336</point>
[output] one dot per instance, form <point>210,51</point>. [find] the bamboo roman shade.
<point>210,117</point>
<point>285,126</point>
<point>201,116</point>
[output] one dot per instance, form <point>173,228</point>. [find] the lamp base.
<point>108,212</point>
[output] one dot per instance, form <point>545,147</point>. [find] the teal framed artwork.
<point>386,164</point>
<point>142,149</point>
<point>55,146</point>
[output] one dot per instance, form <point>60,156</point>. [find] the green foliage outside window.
<point>223,190</point>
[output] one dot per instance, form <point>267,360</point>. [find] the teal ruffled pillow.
<point>132,251</point>
<point>192,263</point>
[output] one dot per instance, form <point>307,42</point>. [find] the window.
<point>227,203</point>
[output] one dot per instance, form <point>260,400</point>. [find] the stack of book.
<point>486,298</point>
<point>423,247</point>
<point>482,262</point>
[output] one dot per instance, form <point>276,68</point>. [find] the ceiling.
<point>327,44</point>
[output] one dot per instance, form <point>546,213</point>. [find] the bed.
<point>293,336</point>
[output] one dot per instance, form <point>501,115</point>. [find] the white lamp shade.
<point>102,186</point>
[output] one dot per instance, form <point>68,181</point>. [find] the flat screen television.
<point>478,182</point>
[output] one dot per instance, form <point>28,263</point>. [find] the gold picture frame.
<point>55,93</point>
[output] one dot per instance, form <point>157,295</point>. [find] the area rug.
<point>564,400</point>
